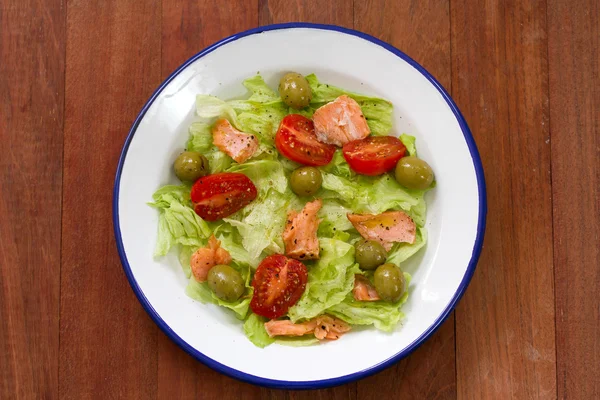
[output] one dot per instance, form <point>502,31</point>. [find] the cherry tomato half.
<point>296,140</point>
<point>374,155</point>
<point>220,195</point>
<point>278,284</point>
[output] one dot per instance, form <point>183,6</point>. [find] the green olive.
<point>190,165</point>
<point>414,173</point>
<point>370,254</point>
<point>225,282</point>
<point>389,282</point>
<point>295,90</point>
<point>306,181</point>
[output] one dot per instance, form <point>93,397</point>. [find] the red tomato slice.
<point>278,284</point>
<point>220,195</point>
<point>374,155</point>
<point>296,140</point>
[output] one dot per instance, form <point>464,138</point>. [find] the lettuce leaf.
<point>185,256</point>
<point>298,341</point>
<point>210,107</point>
<point>383,315</point>
<point>403,251</point>
<point>265,174</point>
<point>255,331</point>
<point>177,221</point>
<point>376,195</point>
<point>330,279</point>
<point>333,219</point>
<point>261,92</point>
<point>262,112</point>
<point>409,142</point>
<point>260,224</point>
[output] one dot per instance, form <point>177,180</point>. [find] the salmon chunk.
<point>340,122</point>
<point>386,228</point>
<point>285,327</point>
<point>207,257</point>
<point>323,327</point>
<point>238,145</point>
<point>300,234</point>
<point>364,290</point>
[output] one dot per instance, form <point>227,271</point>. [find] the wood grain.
<point>505,323</point>
<point>108,343</point>
<point>337,12</point>
<point>526,75</point>
<point>187,28</point>
<point>32,46</point>
<point>422,30</point>
<point>574,63</point>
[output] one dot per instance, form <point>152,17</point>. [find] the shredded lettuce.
<point>376,195</point>
<point>403,251</point>
<point>333,219</point>
<point>209,107</point>
<point>261,113</point>
<point>261,224</point>
<point>177,221</point>
<point>298,341</point>
<point>409,142</point>
<point>256,231</point>
<point>265,174</point>
<point>185,256</point>
<point>255,331</point>
<point>383,315</point>
<point>330,279</point>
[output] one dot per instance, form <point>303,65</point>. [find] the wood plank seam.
<point>556,338</point>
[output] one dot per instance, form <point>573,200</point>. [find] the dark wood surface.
<point>73,76</point>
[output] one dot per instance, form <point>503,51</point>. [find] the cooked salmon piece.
<point>323,327</point>
<point>238,145</point>
<point>285,327</point>
<point>300,234</point>
<point>386,228</point>
<point>207,257</point>
<point>340,121</point>
<point>364,290</point>
<point>330,328</point>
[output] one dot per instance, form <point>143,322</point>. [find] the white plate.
<point>351,60</point>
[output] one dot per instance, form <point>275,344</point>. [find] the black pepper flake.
<point>323,327</point>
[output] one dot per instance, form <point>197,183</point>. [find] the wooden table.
<point>74,75</point>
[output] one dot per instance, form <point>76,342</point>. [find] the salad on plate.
<point>296,210</point>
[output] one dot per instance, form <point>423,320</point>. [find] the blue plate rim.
<point>316,384</point>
